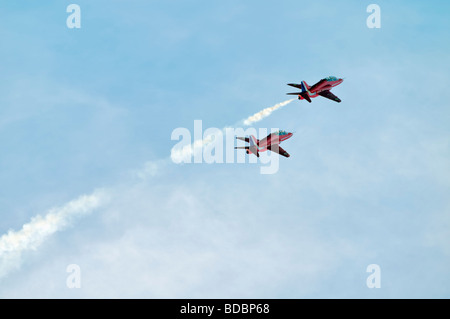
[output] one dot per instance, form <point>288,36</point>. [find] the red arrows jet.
<point>321,88</point>
<point>271,143</point>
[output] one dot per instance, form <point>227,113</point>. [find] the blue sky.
<point>94,108</point>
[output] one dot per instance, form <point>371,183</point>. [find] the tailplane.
<point>254,145</point>
<point>304,94</point>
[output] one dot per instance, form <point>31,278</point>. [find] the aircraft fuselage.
<point>265,144</point>
<point>323,88</point>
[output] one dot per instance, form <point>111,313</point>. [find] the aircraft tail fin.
<point>304,94</point>
<point>254,145</point>
<point>253,141</point>
<point>305,87</point>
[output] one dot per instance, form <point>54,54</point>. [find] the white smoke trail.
<point>179,155</point>
<point>265,113</point>
<point>32,234</point>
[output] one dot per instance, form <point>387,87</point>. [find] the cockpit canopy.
<point>280,132</point>
<point>331,78</point>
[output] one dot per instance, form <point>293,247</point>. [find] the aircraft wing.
<point>278,149</point>
<point>330,96</point>
<point>313,88</point>
<point>263,141</point>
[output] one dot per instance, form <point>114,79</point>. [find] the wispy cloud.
<point>32,234</point>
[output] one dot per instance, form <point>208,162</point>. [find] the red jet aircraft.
<point>321,88</point>
<point>271,143</point>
